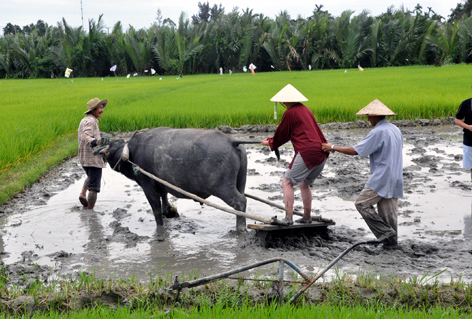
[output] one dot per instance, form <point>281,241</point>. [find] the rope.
<point>117,164</point>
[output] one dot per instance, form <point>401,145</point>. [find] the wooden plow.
<point>278,283</point>
<point>276,224</point>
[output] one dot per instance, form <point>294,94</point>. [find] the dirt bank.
<point>45,232</point>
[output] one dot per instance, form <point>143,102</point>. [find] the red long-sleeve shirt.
<point>299,126</point>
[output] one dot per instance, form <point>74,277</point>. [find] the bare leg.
<point>289,198</point>
<point>307,198</point>
<point>92,199</point>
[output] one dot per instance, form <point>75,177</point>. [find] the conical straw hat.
<point>288,94</point>
<point>376,108</point>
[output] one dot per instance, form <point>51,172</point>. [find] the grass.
<point>272,311</point>
<point>344,296</point>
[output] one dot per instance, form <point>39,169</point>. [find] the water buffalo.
<point>202,162</point>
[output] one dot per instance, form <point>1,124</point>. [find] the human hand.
<point>103,141</point>
<point>265,142</point>
<point>326,147</point>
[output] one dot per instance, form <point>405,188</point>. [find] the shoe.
<point>83,201</point>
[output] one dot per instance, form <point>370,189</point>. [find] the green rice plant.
<point>220,300</point>
<point>366,279</point>
<point>32,124</point>
<point>257,311</point>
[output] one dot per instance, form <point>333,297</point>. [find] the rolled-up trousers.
<point>385,220</point>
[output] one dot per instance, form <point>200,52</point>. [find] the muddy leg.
<point>240,224</point>
<point>153,194</point>
<point>241,206</point>
<point>307,199</point>
<point>289,198</point>
<point>167,209</point>
<point>238,201</point>
<point>92,199</point>
<point>83,193</point>
<point>155,203</point>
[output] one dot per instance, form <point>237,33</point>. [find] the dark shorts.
<point>94,175</point>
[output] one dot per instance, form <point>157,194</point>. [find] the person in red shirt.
<point>299,126</point>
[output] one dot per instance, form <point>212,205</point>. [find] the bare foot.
<point>288,221</point>
<point>304,221</point>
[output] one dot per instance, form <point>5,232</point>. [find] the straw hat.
<point>94,103</point>
<point>376,108</point>
<point>288,94</point>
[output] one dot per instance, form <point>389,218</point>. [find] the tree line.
<point>214,39</point>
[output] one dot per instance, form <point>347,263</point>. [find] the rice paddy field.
<point>42,115</point>
<point>38,130</point>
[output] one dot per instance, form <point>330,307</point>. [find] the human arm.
<point>462,124</point>
<point>341,149</point>
<point>281,136</point>
<point>86,133</point>
<point>89,134</point>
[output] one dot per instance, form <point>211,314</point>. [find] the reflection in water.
<point>96,239</point>
<point>2,246</point>
<point>468,225</point>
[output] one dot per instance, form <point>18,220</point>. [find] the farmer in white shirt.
<point>384,146</point>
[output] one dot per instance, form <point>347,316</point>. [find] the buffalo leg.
<point>238,202</point>
<point>240,224</point>
<point>167,209</point>
<point>154,199</point>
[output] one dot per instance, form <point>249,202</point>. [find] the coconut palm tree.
<point>96,47</point>
<point>465,40</point>
<point>137,48</point>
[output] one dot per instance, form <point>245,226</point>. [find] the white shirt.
<point>384,146</point>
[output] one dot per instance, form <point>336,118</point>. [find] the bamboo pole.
<point>204,201</point>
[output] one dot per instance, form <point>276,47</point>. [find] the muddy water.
<point>47,227</point>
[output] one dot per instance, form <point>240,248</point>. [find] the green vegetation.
<point>232,40</point>
<point>271,311</point>
<point>39,118</point>
<point>364,297</point>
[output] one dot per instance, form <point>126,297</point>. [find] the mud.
<point>45,233</point>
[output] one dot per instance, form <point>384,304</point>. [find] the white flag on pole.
<point>68,71</point>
